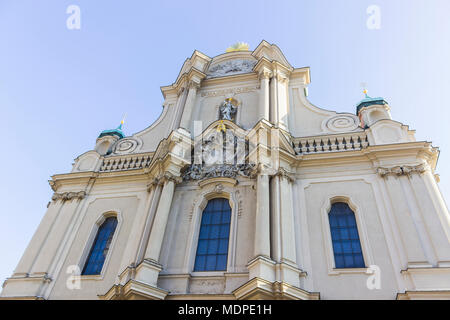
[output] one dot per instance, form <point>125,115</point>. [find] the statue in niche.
<point>228,110</point>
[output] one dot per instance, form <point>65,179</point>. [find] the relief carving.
<point>65,196</point>
<point>402,170</point>
<point>231,67</point>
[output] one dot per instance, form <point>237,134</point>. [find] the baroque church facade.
<point>243,189</point>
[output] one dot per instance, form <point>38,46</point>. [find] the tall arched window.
<point>212,247</point>
<point>100,247</point>
<point>344,234</point>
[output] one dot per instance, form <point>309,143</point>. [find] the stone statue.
<point>227,110</point>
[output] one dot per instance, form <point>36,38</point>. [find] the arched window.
<point>212,247</point>
<point>344,234</point>
<point>99,250</point>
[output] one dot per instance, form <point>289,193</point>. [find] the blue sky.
<point>60,88</point>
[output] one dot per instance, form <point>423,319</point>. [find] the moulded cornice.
<point>271,52</point>
<point>263,65</point>
<point>301,73</point>
<point>231,56</point>
<point>230,79</point>
<point>192,74</point>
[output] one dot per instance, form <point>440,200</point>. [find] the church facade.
<point>243,189</point>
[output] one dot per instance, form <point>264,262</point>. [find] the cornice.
<point>251,76</point>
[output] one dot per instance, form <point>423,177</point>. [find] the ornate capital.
<point>53,185</point>
<point>193,84</point>
<point>265,74</point>
<point>167,176</point>
<point>153,183</point>
<point>402,170</point>
<point>283,173</point>
<point>64,196</point>
<point>263,170</point>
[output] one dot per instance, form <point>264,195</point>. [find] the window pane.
<point>206,219</point>
<point>221,262</point>
<point>339,260</point>
<point>202,246</point>
<point>212,247</point>
<point>211,262</point>
<point>215,229</point>
<point>224,231</point>
<point>216,217</point>
<point>204,232</point>
<point>345,238</point>
<point>223,246</point>
<point>200,262</point>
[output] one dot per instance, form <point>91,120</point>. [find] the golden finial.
<point>122,121</point>
<point>239,46</point>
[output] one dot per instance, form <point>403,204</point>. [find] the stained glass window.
<point>99,250</point>
<point>344,234</point>
<point>212,247</point>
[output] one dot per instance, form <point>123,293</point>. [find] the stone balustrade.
<point>128,162</point>
<point>330,143</point>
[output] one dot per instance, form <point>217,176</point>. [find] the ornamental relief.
<point>230,67</point>
<point>124,146</point>
<point>341,123</point>
<point>402,170</point>
<point>222,154</point>
<point>67,196</point>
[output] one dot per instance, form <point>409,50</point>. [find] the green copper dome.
<point>113,132</point>
<point>368,101</point>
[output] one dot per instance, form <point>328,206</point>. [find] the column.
<point>274,100</point>
<point>262,266</point>
<point>288,253</point>
<point>148,270</point>
<point>262,223</point>
<point>189,105</point>
<point>435,222</point>
<point>39,238</point>
<point>160,221</point>
<point>264,102</point>
<point>155,196</point>
<point>179,108</point>
<point>410,238</point>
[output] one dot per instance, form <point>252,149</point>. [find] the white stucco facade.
<point>299,160</point>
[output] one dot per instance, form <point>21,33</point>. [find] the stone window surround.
<point>328,243</point>
<point>214,188</point>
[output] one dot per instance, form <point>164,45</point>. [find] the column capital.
<point>283,173</point>
<point>192,84</point>
<point>265,74</point>
<point>262,169</point>
<point>402,170</point>
<point>168,176</point>
<point>65,196</point>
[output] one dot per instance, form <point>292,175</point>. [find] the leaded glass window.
<point>99,250</point>
<point>212,247</point>
<point>345,237</point>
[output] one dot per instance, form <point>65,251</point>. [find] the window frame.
<point>210,191</point>
<point>226,201</point>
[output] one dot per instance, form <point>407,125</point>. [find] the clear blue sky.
<point>59,88</point>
